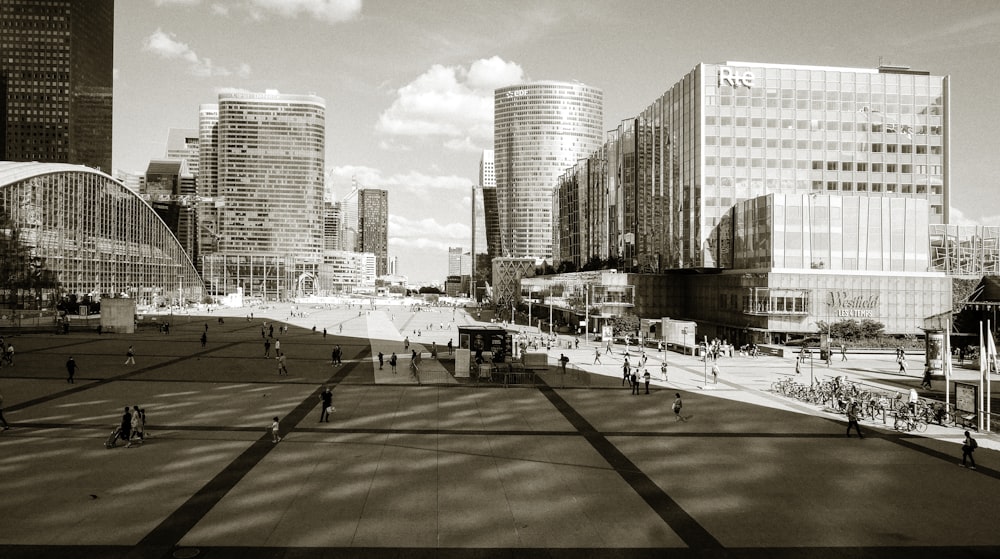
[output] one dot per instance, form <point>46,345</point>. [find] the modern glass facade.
<point>261,160</point>
<point>540,129</point>
<point>734,131</point>
<point>96,235</point>
<point>270,173</point>
<point>824,232</point>
<point>56,73</point>
<point>373,226</point>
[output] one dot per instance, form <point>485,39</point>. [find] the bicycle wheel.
<point>920,425</point>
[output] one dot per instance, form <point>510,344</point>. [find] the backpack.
<point>973,444</point>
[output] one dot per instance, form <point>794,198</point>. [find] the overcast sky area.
<point>409,84</point>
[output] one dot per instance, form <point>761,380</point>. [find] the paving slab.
<point>452,469</point>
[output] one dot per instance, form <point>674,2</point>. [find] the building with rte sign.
<point>761,200</point>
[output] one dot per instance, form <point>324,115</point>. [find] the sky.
<point>409,84</point>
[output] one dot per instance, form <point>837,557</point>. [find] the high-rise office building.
<point>455,261</point>
<point>56,72</point>
<point>169,187</point>
<point>270,173</point>
<point>539,130</point>
<point>182,143</point>
<point>332,226</point>
<point>732,131</point>
<point>207,176</point>
<point>261,164</point>
<point>486,217</point>
<point>373,226</point>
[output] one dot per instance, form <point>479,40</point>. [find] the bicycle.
<point>909,422</point>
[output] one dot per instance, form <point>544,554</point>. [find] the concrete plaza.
<point>448,468</point>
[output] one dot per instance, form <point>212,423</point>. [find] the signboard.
<point>852,304</point>
<point>966,396</point>
<point>736,78</point>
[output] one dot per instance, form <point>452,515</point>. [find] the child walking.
<point>275,430</point>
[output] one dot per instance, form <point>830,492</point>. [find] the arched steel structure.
<point>99,237</point>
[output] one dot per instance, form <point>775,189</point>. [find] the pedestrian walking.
<point>677,405</point>
<point>798,365</point>
<point>8,354</point>
<point>136,425</point>
<point>406,342</point>
<point>340,356</point>
<point>663,370</point>
<point>597,356</point>
<point>562,362</point>
<point>3,420</point>
<point>853,409</point>
<point>633,379</point>
<point>125,427</point>
<point>645,378</point>
<point>282,371</point>
<point>968,447</point>
<point>608,350</point>
<point>843,352</point>
<point>625,372</point>
<point>715,372</point>
<point>381,360</point>
<point>130,356</point>
<point>70,369</point>
<point>204,339</point>
<point>326,404</point>
<point>267,348</point>
<point>275,430</point>
<point>926,383</point>
<point>277,347</point>
<point>392,362</point>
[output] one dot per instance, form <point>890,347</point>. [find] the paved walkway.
<point>449,469</point>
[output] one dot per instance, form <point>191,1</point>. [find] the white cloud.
<point>414,181</point>
<point>957,217</point>
<point>426,233</point>
<point>450,102</point>
<point>329,11</point>
<point>166,46</point>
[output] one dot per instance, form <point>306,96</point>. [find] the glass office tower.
<point>539,130</point>
<point>56,74</point>
<point>262,159</point>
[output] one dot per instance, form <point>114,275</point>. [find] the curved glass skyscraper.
<point>539,129</point>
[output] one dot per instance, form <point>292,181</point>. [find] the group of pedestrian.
<point>133,426</point>
<point>336,356</point>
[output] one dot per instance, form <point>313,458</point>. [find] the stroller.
<point>116,434</point>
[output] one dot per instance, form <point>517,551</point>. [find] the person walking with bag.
<point>852,418</point>
<point>677,405</point>
<point>968,447</point>
<point>326,397</point>
<point>130,356</point>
